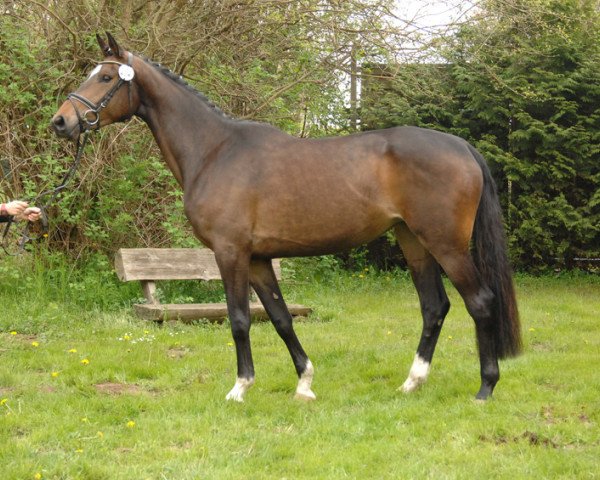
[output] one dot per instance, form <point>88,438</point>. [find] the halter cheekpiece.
<point>91,117</point>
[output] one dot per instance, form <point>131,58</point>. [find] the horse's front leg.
<point>234,267</point>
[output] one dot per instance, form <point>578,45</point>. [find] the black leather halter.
<point>90,118</point>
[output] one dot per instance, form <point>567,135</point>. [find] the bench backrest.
<point>170,264</point>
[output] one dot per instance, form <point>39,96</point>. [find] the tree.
<point>529,79</point>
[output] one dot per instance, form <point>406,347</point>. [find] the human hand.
<point>16,207</point>
<point>32,214</point>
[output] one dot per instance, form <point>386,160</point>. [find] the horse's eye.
<point>106,78</point>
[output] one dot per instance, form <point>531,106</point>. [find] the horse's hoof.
<point>239,389</point>
<point>484,393</point>
<point>306,396</point>
<point>410,385</point>
<point>234,397</point>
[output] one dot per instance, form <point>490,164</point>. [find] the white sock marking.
<point>303,390</point>
<point>417,375</point>
<point>239,389</point>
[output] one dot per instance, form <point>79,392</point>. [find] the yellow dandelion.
<point>449,337</point>
<point>130,424</point>
<point>13,333</point>
<point>532,329</point>
<point>389,332</point>
<point>126,337</point>
<point>84,420</point>
<point>73,350</point>
<point>3,401</point>
<point>54,374</point>
<point>85,361</point>
<point>230,344</point>
<point>38,476</point>
<point>35,344</point>
<point>79,450</point>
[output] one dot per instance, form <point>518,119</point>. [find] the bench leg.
<point>264,282</point>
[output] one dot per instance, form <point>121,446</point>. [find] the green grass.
<point>171,381</point>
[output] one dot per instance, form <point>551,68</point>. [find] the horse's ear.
<point>117,51</point>
<point>103,45</point>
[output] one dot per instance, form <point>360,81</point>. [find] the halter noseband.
<point>126,75</point>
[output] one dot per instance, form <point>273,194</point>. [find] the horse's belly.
<point>318,233</point>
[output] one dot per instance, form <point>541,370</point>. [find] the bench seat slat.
<point>170,264</point>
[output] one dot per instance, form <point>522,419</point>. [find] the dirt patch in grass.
<point>532,438</point>
<point>110,388</point>
<point>177,352</point>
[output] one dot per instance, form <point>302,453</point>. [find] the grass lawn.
<point>102,395</point>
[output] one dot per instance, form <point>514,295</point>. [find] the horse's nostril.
<point>58,123</point>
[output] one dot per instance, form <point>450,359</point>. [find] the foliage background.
<point>518,79</point>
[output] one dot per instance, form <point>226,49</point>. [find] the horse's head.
<point>108,95</point>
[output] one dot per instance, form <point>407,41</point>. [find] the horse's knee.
<point>240,329</point>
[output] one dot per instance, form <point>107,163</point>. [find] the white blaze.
<point>95,71</point>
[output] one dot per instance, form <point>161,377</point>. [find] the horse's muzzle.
<point>62,128</point>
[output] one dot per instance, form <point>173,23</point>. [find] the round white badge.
<point>126,73</point>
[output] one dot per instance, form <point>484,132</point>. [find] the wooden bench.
<point>151,264</point>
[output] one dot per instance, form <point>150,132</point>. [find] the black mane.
<point>178,79</point>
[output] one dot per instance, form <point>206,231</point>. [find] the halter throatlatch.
<point>90,118</point>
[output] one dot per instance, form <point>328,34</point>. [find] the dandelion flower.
<point>54,374</point>
<point>79,450</point>
<point>126,337</point>
<point>449,337</point>
<point>130,424</point>
<point>532,329</point>
<point>35,344</point>
<point>38,476</point>
<point>84,420</point>
<point>13,333</point>
<point>85,361</point>
<point>73,350</point>
<point>230,344</point>
<point>3,401</point>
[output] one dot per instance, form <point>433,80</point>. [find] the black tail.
<point>492,262</point>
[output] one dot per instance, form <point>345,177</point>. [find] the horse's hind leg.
<point>479,301</point>
<point>434,302</point>
<point>264,282</point>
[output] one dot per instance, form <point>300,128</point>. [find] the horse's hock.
<point>149,265</point>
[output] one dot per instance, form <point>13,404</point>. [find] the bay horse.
<point>253,193</point>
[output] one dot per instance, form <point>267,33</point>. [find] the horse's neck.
<point>185,127</point>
